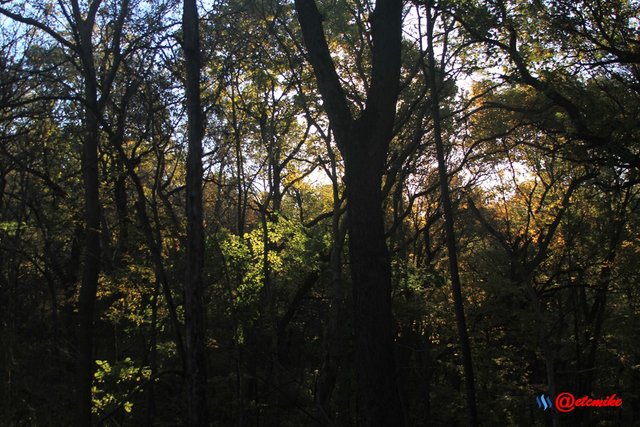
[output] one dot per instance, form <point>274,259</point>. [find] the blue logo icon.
<point>543,401</point>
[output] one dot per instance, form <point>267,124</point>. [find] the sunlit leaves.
<point>128,292</point>
<point>112,382</point>
<point>290,253</point>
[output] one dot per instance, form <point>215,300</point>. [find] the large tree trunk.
<point>194,310</point>
<point>378,398</point>
<point>89,285</point>
<point>364,144</point>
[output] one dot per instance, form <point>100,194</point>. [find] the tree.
<point>599,63</point>
<point>436,82</point>
<point>81,22</point>
<point>194,310</point>
<point>364,143</point>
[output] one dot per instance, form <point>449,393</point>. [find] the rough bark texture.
<point>194,312</point>
<point>364,143</point>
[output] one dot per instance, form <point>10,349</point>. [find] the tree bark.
<point>364,144</point>
<point>467,361</point>
<point>91,271</point>
<point>194,310</point>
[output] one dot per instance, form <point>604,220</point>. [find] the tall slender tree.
<point>435,82</point>
<point>193,287</point>
<point>95,93</point>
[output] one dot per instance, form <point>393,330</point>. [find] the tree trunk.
<point>122,210</point>
<point>447,209</point>
<point>378,398</point>
<point>194,310</point>
<point>89,286</point>
<point>364,143</point>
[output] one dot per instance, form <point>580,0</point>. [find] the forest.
<point>319,213</point>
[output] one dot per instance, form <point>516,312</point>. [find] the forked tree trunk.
<point>364,144</point>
